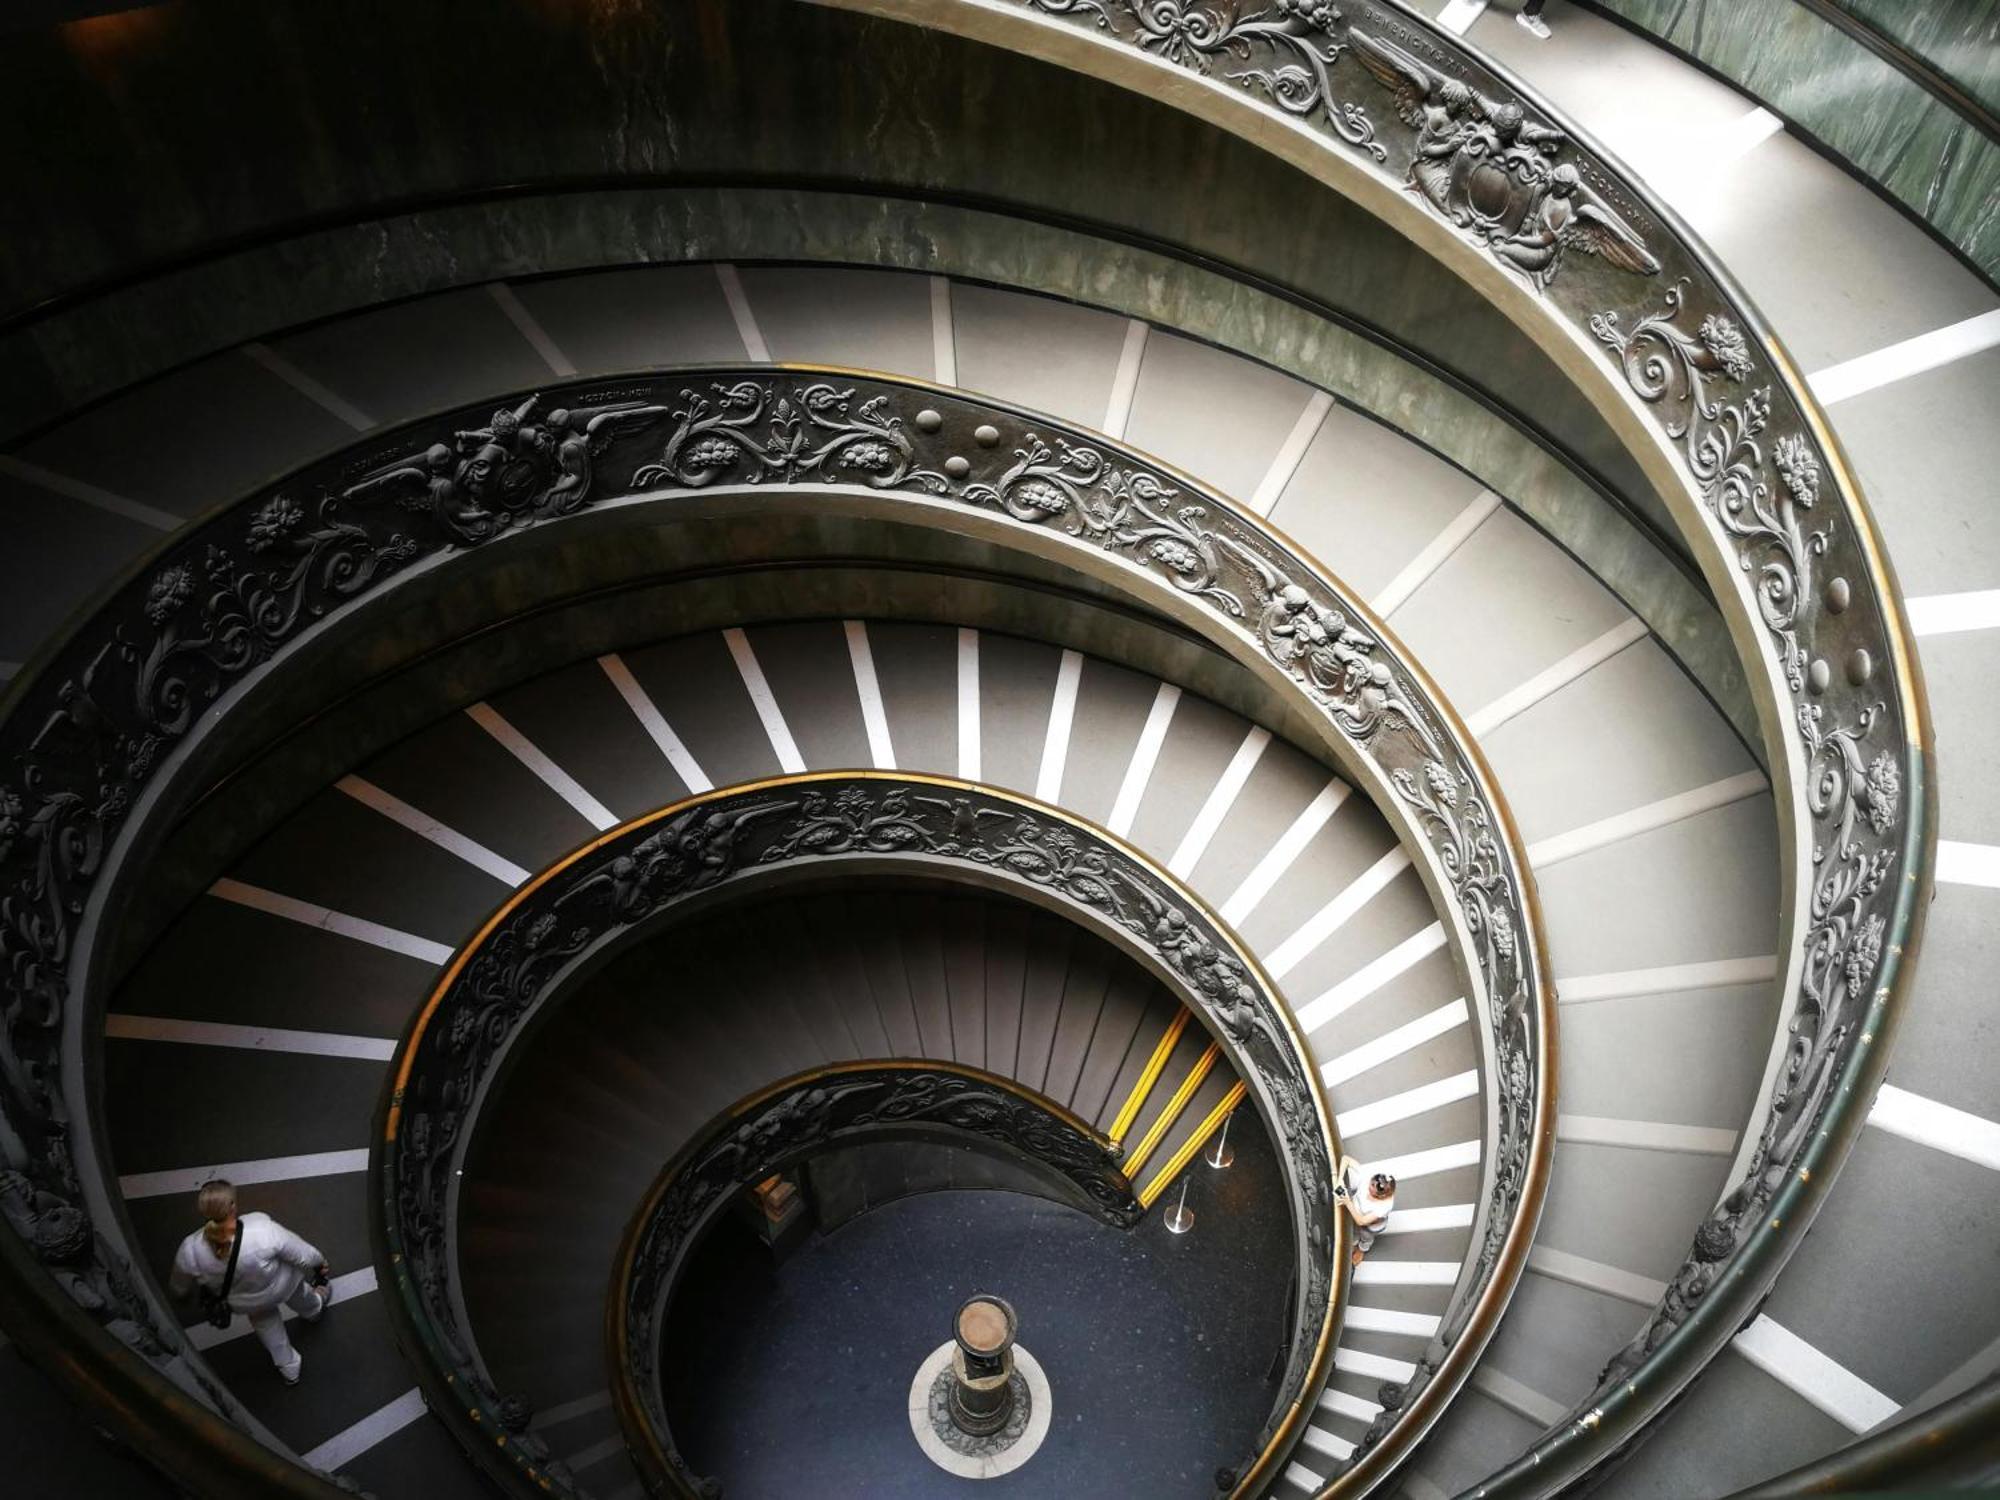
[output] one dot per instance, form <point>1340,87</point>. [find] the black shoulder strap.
<point>235,1253</point>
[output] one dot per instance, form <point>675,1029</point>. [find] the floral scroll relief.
<point>1721,440</point>
<point>1477,158</point>
<point>1764,500</point>
<point>1289,50</point>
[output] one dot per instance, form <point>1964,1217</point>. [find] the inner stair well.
<point>1648,823</point>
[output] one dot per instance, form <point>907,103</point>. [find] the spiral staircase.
<point>348,827</point>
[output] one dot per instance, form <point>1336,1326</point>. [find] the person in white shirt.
<point>1369,1200</point>
<point>275,1269</point>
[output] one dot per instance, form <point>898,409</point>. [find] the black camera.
<point>215,1308</point>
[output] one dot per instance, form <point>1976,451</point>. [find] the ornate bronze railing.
<point>1381,104</point>
<point>611,892</point>
<point>111,735</point>
<point>773,1131</point>
<point>1952,1447</point>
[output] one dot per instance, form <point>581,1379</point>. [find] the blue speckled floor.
<point>1157,1347</point>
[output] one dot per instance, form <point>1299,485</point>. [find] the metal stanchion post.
<point>1222,1154</point>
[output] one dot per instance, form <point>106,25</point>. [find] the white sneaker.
<point>318,1307</point>
<point>289,1373</point>
<point>1534,24</point>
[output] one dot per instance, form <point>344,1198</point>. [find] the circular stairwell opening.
<point>788,1344</point>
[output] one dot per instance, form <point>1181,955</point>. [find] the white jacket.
<point>1368,1211</point>
<point>273,1263</point>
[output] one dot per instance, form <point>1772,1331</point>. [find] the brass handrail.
<point>1953,1446</point>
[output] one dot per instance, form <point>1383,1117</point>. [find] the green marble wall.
<point>1958,38</point>
<point>1926,155</point>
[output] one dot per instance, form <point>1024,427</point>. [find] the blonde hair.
<point>216,1202</point>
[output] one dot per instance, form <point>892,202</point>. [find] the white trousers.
<point>269,1325</point>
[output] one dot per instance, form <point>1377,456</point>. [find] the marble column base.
<point>960,1453</point>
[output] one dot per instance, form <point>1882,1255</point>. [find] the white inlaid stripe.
<point>764,701</point>
<point>1374,1366</point>
<point>1269,870</point>
<point>1968,864</point>
<point>739,310</point>
<point>655,724</point>
<point>597,1452</point>
<point>1913,356</point>
<point>569,1411</point>
<point>551,775</point>
<point>1948,614</point>
<point>874,715</point>
<point>1516,1397</point>
<point>1390,1320</point>
<point>1145,755</point>
<point>427,827</point>
<point>1349,1405</point>
<point>89,494</point>
<point>1430,1162</point>
<point>968,705</point>
<point>1595,1276</point>
<point>1668,980</point>
<point>1375,1272</point>
<point>1118,409</point>
<point>1554,679</point>
<point>1940,1126</point>
<point>1407,1105</point>
<point>323,396</point>
<point>1393,1044</point>
<point>1292,454</point>
<point>1429,1220</point>
<point>251,1038</point>
<point>244,1173</point>
<point>944,341</point>
<point>526,324</point>
<point>1744,135</point>
<point>1055,744</point>
<point>1331,917</point>
<point>375,1428</point>
<point>1194,843</point>
<point>1303,1477</point>
<point>1832,1387</point>
<point>1435,554</point>
<point>1646,819</point>
<point>1457,16</point>
<point>1332,1444</point>
<point>344,1288</point>
<point>1370,977</point>
<point>331,921</point>
<point>1644,1135</point>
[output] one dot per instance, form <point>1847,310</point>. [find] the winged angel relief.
<point>1489,169</point>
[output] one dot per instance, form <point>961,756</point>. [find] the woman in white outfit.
<point>1370,1197</point>
<point>275,1269</point>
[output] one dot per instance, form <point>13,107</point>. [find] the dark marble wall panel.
<point>1958,38</point>
<point>311,156</point>
<point>1876,119</point>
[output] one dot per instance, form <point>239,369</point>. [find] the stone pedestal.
<point>982,1366</point>
<point>980,1406</point>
